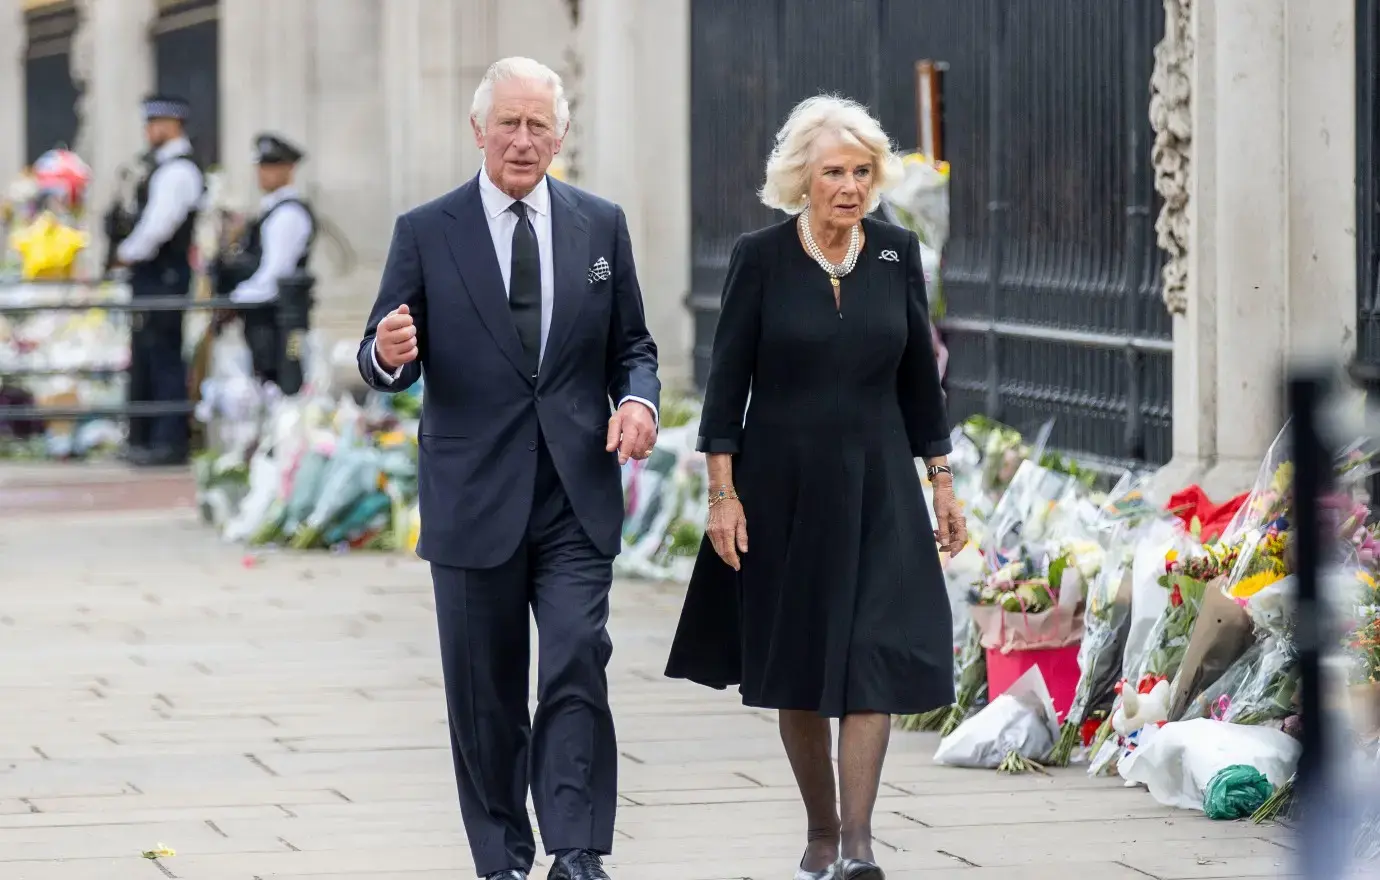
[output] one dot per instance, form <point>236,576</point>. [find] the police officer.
<point>158,254</point>
<point>275,245</point>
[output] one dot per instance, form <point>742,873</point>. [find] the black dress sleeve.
<point>917,383</point>
<point>734,354</point>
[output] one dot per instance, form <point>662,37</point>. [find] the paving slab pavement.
<point>282,716</point>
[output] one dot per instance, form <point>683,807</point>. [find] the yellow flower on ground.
<point>1248,587</point>
<point>160,852</point>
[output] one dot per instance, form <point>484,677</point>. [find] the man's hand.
<point>395,341</point>
<point>632,431</point>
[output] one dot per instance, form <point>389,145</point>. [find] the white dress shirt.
<point>502,222</point>
<point>283,239</point>
<point>176,188</point>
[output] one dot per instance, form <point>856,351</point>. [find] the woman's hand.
<point>951,529</point>
<point>728,530</point>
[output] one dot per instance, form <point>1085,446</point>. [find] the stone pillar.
<point>663,177</point>
<point>1250,234</point>
<point>610,128</point>
<point>12,124</point>
<point>1271,257</point>
<point>1321,138</point>
<point>635,147</point>
<point>347,152</point>
<point>243,62</point>
<point>112,62</point>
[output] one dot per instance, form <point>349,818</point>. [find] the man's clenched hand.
<point>395,342</point>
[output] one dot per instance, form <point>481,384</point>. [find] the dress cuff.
<point>718,445</point>
<point>934,448</point>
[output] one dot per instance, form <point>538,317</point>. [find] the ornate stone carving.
<point>1171,155</point>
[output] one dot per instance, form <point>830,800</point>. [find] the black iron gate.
<point>50,95</point>
<point>1368,181</point>
<point>186,49</point>
<point>1051,273</point>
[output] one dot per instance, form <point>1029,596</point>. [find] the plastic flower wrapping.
<point>312,471</point>
<point>921,202</point>
<point>67,358</point>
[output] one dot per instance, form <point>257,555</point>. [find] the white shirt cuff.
<point>383,374</point>
<point>656,416</point>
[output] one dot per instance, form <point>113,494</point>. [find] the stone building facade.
<point>378,92</point>
<point>1254,103</point>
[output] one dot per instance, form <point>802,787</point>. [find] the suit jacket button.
<point>532,447</point>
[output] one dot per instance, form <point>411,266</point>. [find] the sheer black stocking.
<point>809,742</point>
<point>863,739</point>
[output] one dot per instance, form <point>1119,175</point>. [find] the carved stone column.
<point>1170,116</point>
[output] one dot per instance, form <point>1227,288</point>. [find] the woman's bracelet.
<point>723,493</point>
<point>935,470</point>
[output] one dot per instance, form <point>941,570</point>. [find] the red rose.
<point>1175,597</point>
<point>1088,732</point>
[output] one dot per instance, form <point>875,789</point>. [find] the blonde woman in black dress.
<point>818,589</point>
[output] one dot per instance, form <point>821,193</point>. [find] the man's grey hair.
<point>519,68</point>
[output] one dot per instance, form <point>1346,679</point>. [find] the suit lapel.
<point>570,243</point>
<point>472,248</point>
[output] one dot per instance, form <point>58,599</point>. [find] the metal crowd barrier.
<point>294,306</point>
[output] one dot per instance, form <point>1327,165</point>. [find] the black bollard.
<point>294,319</point>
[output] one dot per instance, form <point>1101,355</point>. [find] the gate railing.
<point>1051,273</point>
<point>1368,181</point>
<point>293,307</point>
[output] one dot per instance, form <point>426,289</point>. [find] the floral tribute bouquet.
<point>920,202</point>
<point>1106,624</point>
<point>1188,569</point>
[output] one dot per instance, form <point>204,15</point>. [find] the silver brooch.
<point>891,256</point>
<point>599,271</point>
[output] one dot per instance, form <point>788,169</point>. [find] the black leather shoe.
<point>511,874</point>
<point>858,869</point>
<point>578,864</point>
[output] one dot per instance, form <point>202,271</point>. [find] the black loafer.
<point>510,874</point>
<point>858,869</point>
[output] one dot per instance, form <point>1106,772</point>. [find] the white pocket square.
<point>891,256</point>
<point>599,271</point>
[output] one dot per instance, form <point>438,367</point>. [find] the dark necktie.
<point>524,286</point>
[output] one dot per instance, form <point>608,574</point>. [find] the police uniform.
<point>275,245</point>
<point>158,254</point>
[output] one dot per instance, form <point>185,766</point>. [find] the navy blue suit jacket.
<point>482,411</point>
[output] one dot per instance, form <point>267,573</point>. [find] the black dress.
<point>840,605</point>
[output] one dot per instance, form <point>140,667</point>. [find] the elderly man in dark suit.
<point>517,297</point>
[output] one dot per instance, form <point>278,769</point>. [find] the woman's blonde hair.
<point>787,185</point>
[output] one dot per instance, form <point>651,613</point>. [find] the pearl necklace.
<point>836,271</point>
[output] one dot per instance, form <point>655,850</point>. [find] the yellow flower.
<point>47,248</point>
<point>1171,556</point>
<point>160,852</point>
<point>1247,588</point>
<point>1366,578</point>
